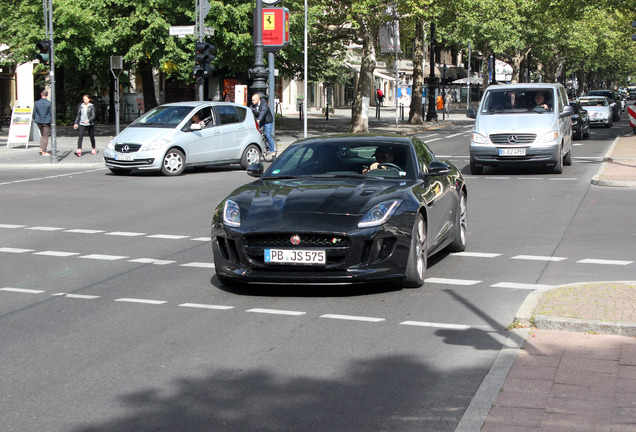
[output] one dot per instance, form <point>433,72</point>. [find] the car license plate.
<point>124,157</point>
<point>512,152</point>
<point>295,256</point>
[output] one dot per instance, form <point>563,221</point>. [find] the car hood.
<point>597,109</point>
<point>306,203</point>
<point>536,123</point>
<point>143,135</point>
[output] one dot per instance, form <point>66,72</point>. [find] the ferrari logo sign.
<point>275,28</point>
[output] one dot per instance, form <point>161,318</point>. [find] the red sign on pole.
<point>275,28</point>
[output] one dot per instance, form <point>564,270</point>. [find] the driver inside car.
<point>383,155</point>
<point>540,102</point>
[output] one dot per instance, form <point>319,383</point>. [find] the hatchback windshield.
<point>163,117</point>
<point>517,100</point>
<point>591,102</point>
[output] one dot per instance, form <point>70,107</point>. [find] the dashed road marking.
<point>125,234</point>
<point>84,231</point>
<point>525,286</point>
<point>44,228</point>
<point>77,296</point>
<point>22,290</point>
<point>206,306</point>
<point>352,318</point>
<point>168,236</point>
<point>56,253</point>
<point>103,257</point>
<point>276,312</point>
<point>15,250</point>
<point>10,226</point>
<point>605,262</point>
<point>436,325</point>
<point>476,254</point>
<point>138,300</point>
<point>465,282</point>
<point>198,264</point>
<point>151,261</point>
<point>538,258</point>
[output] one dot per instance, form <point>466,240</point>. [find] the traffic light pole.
<point>201,31</point>
<point>49,29</point>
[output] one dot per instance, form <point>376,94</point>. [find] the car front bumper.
<point>488,154</point>
<point>141,160</point>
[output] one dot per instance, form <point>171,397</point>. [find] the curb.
<point>607,159</point>
<point>526,318</point>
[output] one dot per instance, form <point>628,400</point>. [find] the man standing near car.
<point>265,119</point>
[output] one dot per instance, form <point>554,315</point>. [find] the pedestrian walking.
<point>85,122</point>
<point>265,120</point>
<point>447,102</point>
<point>42,117</point>
<point>380,95</point>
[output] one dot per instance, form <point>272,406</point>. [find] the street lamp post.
<point>259,71</point>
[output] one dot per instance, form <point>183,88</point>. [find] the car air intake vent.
<point>512,139</point>
<point>127,148</point>
<point>305,240</point>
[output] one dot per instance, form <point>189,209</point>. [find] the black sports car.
<point>341,209</point>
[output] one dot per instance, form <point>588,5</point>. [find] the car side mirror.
<point>195,127</point>
<point>471,112</point>
<point>567,111</point>
<point>255,170</point>
<point>438,168</point>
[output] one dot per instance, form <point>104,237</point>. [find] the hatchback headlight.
<point>154,145</point>
<point>478,138</point>
<point>231,214</point>
<point>111,145</point>
<point>379,214</point>
<point>549,137</point>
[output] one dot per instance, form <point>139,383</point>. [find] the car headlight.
<point>231,214</point>
<point>379,214</point>
<point>549,137</point>
<point>154,145</point>
<point>604,115</point>
<point>111,145</point>
<point>478,138</point>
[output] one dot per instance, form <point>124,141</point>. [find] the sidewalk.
<point>570,365</point>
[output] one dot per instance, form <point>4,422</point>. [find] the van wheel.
<point>567,159</point>
<point>558,167</point>
<point>476,169</point>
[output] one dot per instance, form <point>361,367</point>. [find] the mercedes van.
<point>521,124</point>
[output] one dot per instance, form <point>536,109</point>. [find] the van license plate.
<point>295,256</point>
<point>512,152</point>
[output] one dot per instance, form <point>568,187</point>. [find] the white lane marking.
<point>352,318</point>
<point>515,285</point>
<point>605,262</point>
<point>538,258</point>
<point>432,135</point>
<point>206,306</point>
<point>476,254</point>
<point>529,178</point>
<point>137,300</point>
<point>497,178</point>
<point>168,236</point>
<point>56,253</point>
<point>431,140</point>
<point>44,228</point>
<point>465,282</point>
<point>600,158</point>
<point>276,312</point>
<point>51,177</point>
<point>21,290</point>
<point>202,239</point>
<point>151,261</point>
<point>103,257</point>
<point>436,325</point>
<point>198,264</point>
<point>563,179</point>
<point>76,296</point>
<point>125,234</point>
<point>11,226</point>
<point>457,134</point>
<point>84,231</point>
<point>14,250</point>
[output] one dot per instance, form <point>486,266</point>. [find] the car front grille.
<point>127,148</point>
<point>512,139</point>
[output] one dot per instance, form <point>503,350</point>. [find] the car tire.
<point>567,159</point>
<point>417,262</point>
<point>461,225</point>
<point>119,171</point>
<point>251,155</point>
<point>558,166</point>
<point>587,132</point>
<point>173,163</point>
<point>476,169</point>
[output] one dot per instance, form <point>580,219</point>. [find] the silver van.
<point>521,124</point>
<point>177,135</point>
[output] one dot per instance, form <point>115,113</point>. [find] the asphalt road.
<point>113,320</point>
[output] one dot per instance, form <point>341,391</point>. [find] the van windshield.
<point>517,101</point>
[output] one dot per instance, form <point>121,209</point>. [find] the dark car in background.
<point>580,121</point>
<point>325,212</point>
<point>613,99</point>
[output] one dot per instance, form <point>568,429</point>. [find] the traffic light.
<point>202,59</point>
<point>634,35</point>
<point>44,55</point>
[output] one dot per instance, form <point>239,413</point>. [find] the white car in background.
<point>177,135</point>
<point>599,110</point>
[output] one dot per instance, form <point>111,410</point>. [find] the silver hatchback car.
<point>522,124</point>
<point>174,136</point>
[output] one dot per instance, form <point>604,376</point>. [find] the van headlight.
<point>154,145</point>
<point>549,137</point>
<point>478,138</point>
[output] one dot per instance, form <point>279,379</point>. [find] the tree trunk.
<point>415,113</point>
<point>360,120</point>
<point>148,86</point>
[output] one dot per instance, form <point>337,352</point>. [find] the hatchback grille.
<point>512,139</point>
<point>127,148</point>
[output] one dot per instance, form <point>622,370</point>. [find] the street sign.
<point>275,28</point>
<point>181,30</point>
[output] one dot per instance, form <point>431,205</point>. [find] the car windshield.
<point>163,117</point>
<point>592,102</point>
<point>344,159</point>
<point>516,100</point>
